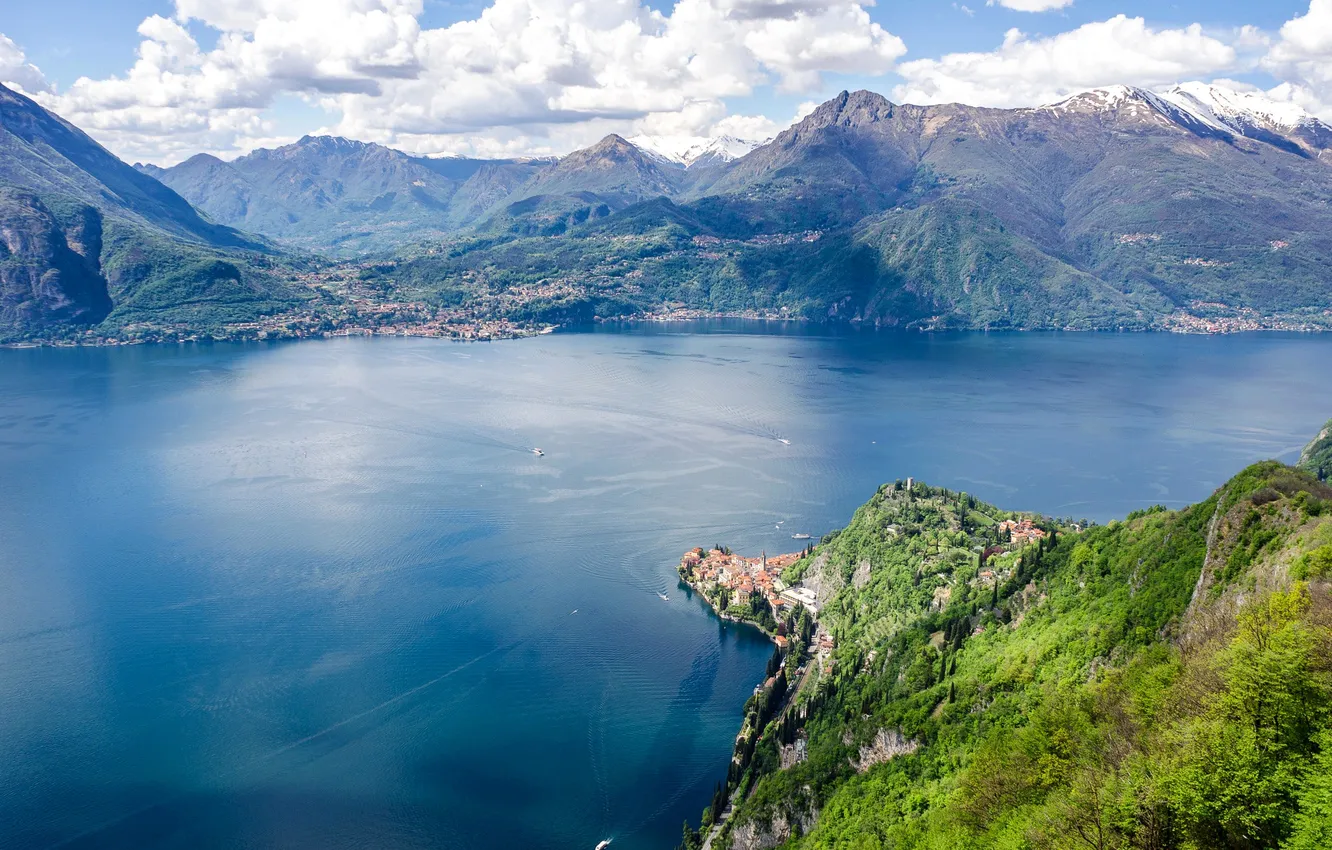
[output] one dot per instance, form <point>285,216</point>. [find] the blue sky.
<point>161,79</point>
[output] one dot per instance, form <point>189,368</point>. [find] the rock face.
<point>752,835</point>
<point>1317,456</point>
<point>50,272</point>
<point>888,744</point>
<point>80,229</point>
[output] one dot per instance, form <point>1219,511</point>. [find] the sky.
<point>161,80</point>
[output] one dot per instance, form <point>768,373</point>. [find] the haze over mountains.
<point>1117,207</point>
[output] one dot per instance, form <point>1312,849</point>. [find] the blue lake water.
<point>322,595</point>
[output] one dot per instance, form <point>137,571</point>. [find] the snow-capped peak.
<point>1213,106</point>
<point>688,150</point>
<point>1223,106</point>
<point>1103,99</point>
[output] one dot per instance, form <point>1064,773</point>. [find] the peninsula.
<point>994,678</point>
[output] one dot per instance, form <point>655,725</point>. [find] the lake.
<point>323,594</point>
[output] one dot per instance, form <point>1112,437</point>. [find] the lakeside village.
<point>751,590</point>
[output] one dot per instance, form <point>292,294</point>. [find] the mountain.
<point>329,193</point>
<point>691,151</point>
<point>1196,208</point>
<point>978,678</point>
<point>86,237</point>
<point>1252,115</point>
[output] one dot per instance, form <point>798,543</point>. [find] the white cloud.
<point>525,76</point>
<point>1301,57</point>
<point>15,69</point>
<point>1031,5</point>
<point>1025,71</point>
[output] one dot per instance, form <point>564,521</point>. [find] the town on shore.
<point>752,590</point>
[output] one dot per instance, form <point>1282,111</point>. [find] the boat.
<point>799,536</point>
<point>664,597</point>
<point>538,452</point>
<point>603,845</point>
<point>784,441</point>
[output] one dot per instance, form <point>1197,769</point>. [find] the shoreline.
<point>504,331</point>
<point>784,613</point>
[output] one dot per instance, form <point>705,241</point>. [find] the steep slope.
<point>1163,682</point>
<point>88,239</point>
<point>852,157</point>
<point>50,271</point>
<point>45,154</point>
<point>1254,116</point>
<point>334,194</point>
<point>1317,456</point>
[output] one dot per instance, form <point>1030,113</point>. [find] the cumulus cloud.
<point>1031,5</point>
<point>1301,56</point>
<point>15,69</point>
<point>1025,71</point>
<point>524,76</point>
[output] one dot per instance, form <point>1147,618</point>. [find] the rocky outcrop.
<point>773,832</point>
<point>1317,456</point>
<point>888,744</point>
<point>825,579</point>
<point>50,272</point>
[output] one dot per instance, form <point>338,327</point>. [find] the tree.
<point>690,839</point>
<point>1313,823</point>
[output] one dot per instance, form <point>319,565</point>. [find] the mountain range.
<point>1114,208</point>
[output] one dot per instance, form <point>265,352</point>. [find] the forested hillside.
<point>1160,682</point>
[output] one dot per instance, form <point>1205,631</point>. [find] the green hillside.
<point>1160,682</point>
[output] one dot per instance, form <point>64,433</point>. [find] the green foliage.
<point>1313,820</point>
<point>1083,695</point>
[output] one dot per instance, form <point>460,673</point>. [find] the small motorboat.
<point>784,441</point>
<point>603,845</point>
<point>664,597</point>
<point>538,452</point>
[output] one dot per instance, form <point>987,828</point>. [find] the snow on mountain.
<point>1213,106</point>
<point>1226,106</point>
<point>692,150</point>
